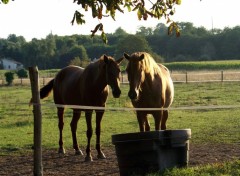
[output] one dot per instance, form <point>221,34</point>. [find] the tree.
<point>79,62</point>
<point>1,66</point>
<point>156,9</point>
<point>131,44</point>
<point>160,29</point>
<point>75,51</point>
<point>144,31</point>
<point>22,73</point>
<point>120,32</point>
<point>75,61</point>
<point>9,76</point>
<point>78,51</point>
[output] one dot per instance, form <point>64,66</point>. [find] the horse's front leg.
<point>147,124</point>
<point>142,120</point>
<point>60,113</point>
<point>99,115</point>
<point>157,115</point>
<point>88,115</point>
<point>76,116</point>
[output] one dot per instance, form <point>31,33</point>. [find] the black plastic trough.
<point>144,152</point>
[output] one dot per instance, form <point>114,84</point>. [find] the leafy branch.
<point>4,1</point>
<point>107,8</point>
<point>104,8</point>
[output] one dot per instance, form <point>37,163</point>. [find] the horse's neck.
<point>100,80</point>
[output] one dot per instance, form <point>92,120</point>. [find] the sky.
<point>38,18</point>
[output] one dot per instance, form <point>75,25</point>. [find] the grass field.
<point>209,125</point>
<point>225,169</point>
<point>205,65</point>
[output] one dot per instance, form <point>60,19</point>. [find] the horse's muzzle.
<point>116,93</point>
<point>132,95</point>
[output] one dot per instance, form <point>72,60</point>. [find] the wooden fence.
<point>178,77</point>
<point>201,76</point>
<point>214,76</point>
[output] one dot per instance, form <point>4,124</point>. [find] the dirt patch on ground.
<point>69,164</point>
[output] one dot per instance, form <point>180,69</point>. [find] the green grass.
<point>213,126</point>
<point>208,125</point>
<point>220,169</point>
<point>204,65</point>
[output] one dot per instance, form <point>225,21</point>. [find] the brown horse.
<point>150,87</point>
<point>87,87</point>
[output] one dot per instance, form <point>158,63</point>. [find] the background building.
<point>9,64</point>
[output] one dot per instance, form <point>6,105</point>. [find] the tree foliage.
<point>9,77</point>
<point>131,44</point>
<point>22,73</point>
<point>5,1</point>
<point>195,44</point>
<point>143,8</point>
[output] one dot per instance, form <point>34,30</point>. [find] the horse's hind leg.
<point>60,112</point>
<point>76,116</point>
<point>88,115</point>
<point>164,120</point>
<point>99,116</point>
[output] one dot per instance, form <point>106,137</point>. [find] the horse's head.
<point>135,74</point>
<point>113,74</point>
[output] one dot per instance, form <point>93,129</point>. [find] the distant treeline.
<point>194,44</point>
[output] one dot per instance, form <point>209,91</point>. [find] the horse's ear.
<point>120,60</point>
<point>126,56</point>
<point>106,60</point>
<point>141,57</point>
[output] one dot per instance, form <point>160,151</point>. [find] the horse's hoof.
<point>101,156</point>
<point>88,159</point>
<point>78,152</point>
<point>61,151</point>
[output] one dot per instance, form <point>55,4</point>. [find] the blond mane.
<point>148,64</point>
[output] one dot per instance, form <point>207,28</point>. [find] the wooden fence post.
<point>186,77</point>
<point>222,76</point>
<point>33,74</point>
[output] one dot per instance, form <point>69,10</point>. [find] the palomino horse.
<point>87,87</point>
<point>150,87</point>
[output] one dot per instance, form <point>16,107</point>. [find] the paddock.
<point>211,110</point>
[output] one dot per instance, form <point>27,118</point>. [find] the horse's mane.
<point>96,67</point>
<point>148,64</point>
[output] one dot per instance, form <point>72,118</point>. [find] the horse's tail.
<point>45,91</point>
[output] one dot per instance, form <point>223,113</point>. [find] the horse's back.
<point>66,85</point>
<point>167,85</point>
